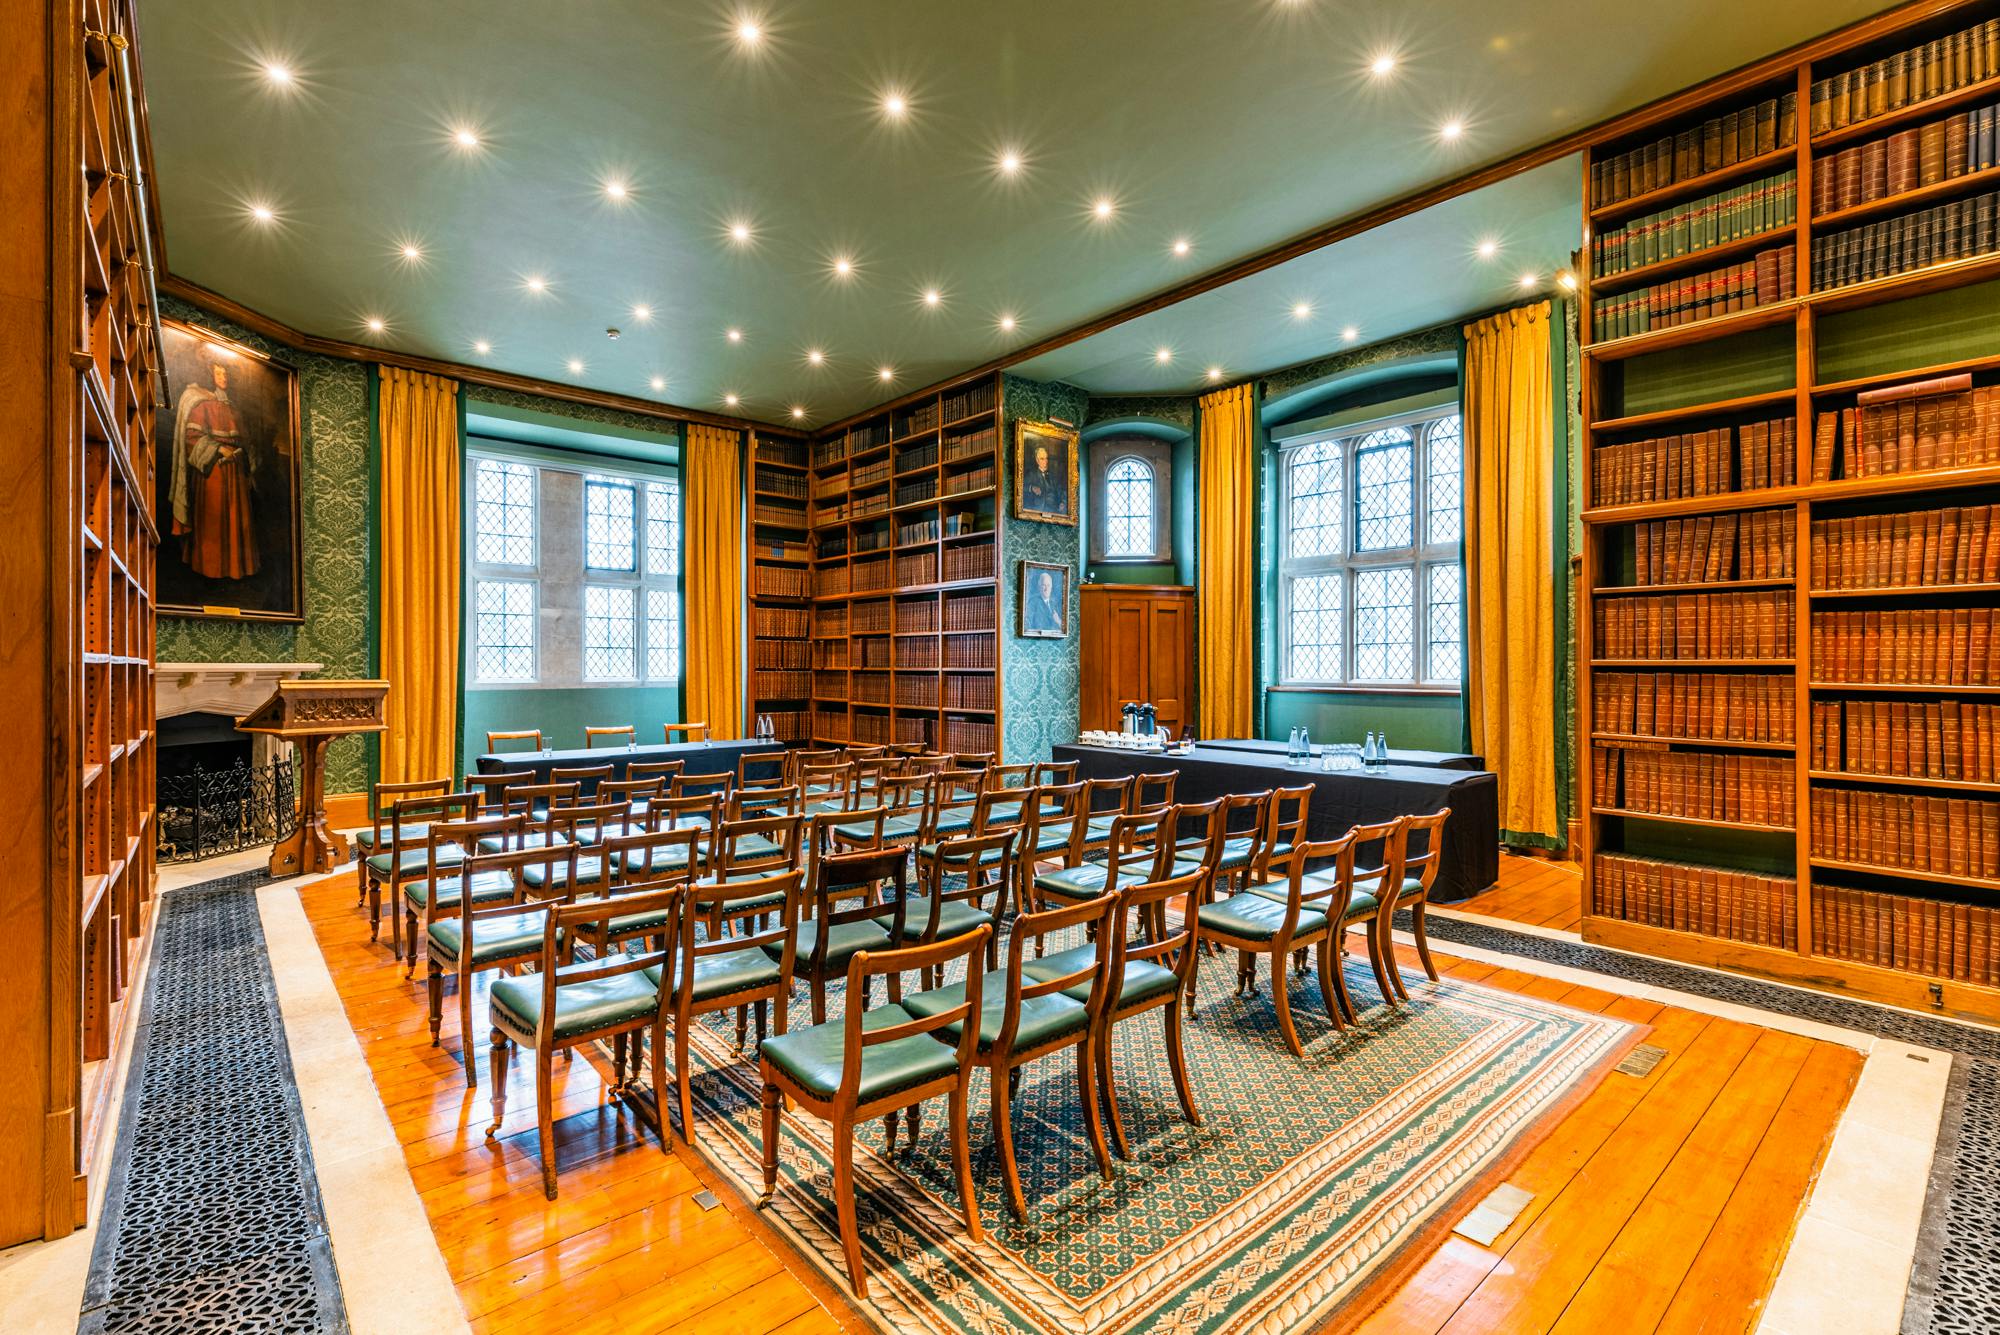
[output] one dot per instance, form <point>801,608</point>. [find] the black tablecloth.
<point>1341,799</point>
<point>1429,759</point>
<point>700,757</point>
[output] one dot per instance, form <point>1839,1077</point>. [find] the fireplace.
<point>220,790</point>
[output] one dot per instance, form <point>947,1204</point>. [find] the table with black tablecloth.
<point>1341,798</point>
<point>1428,759</point>
<point>697,757</point>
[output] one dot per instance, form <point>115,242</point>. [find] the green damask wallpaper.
<point>1040,680</point>
<point>333,399</point>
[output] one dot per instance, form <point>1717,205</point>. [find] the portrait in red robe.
<point>211,482</point>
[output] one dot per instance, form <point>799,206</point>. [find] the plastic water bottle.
<point>1292,751</point>
<point>1305,746</point>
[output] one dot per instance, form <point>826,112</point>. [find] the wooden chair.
<point>769,768</point>
<point>887,1060</point>
<point>439,879</point>
<point>534,801</point>
<point>585,777</point>
<point>617,735</point>
<point>689,732</point>
<point>638,794</point>
<point>1247,819</point>
<point>492,788</point>
<point>825,787</point>
<point>663,770</point>
<point>971,759</point>
<point>382,831</point>
<point>982,864</point>
<point>948,821</point>
<point>731,966</point>
<point>533,736</point>
<point>1141,848</point>
<point>694,785</point>
<point>638,861</point>
<point>1023,1018</point>
<point>558,1008</point>
<point>1412,875</point>
<point>701,811</point>
<point>777,799</point>
<point>1054,772</point>
<point>1153,792</point>
<point>398,860</point>
<point>1053,826</point>
<point>901,806</point>
<point>1103,800</point>
<point>1254,924</point>
<point>795,759</point>
<point>832,930</point>
<point>476,934</point>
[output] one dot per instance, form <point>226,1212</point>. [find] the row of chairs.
<point>621,734</point>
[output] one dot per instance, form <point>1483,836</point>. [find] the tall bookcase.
<point>1791,661</point>
<point>904,527</point>
<point>779,560</point>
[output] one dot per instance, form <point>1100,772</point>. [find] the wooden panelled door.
<point>1138,646</point>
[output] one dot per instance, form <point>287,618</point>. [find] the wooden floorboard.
<point>1659,1202</point>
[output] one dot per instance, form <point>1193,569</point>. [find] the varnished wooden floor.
<point>1659,1204</point>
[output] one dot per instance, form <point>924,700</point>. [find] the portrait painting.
<point>1044,472</point>
<point>1044,601</point>
<point>228,480</point>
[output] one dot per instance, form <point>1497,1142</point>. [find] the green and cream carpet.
<point>1303,1183</point>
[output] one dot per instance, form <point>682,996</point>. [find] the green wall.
<point>1413,722</point>
<point>562,715</point>
<point>1040,680</point>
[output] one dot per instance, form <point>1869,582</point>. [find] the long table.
<point>698,757</point>
<point>1428,759</point>
<point>1341,798</point>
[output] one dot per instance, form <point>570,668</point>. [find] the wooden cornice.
<point>279,332</point>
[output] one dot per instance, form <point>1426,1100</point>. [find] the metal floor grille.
<point>212,1217</point>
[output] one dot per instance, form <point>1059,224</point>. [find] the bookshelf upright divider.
<point>779,559</point>
<point>1813,596</point>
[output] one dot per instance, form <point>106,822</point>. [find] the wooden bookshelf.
<point>1923,928</point>
<point>778,559</point>
<point>905,595</point>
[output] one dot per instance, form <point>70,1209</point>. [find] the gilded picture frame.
<point>227,486</point>
<point>1045,473</point>
<point>1042,609</point>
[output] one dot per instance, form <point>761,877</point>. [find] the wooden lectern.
<point>310,714</point>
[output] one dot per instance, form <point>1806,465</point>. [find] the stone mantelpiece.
<point>233,689</point>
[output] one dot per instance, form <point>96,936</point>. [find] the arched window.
<point>1129,486</point>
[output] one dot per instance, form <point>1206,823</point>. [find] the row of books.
<point>916,568</point>
<point>783,484</point>
<point>871,688</point>
<point>873,576</point>
<point>830,580</point>
<point>780,516</point>
<point>829,723</point>
<point>914,731</point>
<point>868,474</point>
<point>1927,548</point>
<point>778,450</point>
<point>980,397</point>
<point>916,653</point>
<point>1716,462</point>
<point>784,550</point>
<point>770,684</point>
<point>968,651</point>
<point>1752,625</point>
<point>916,615</point>
<point>917,418</point>
<point>1937,646</point>
<point>1770,277</point>
<point>782,622</point>
<point>1901,162</point>
<point>916,489</point>
<point>1917,739</point>
<point>968,611</point>
<point>1931,936</point>
<point>830,685</point>
<point>970,444</point>
<point>871,729</point>
<point>918,692</point>
<point>1754,544</point>
<point>973,561</point>
<point>869,618</point>
<point>829,451</point>
<point>968,736</point>
<point>1700,785</point>
<point>830,653</point>
<point>921,454</point>
<point>1720,141</point>
<point>1697,224</point>
<point>1945,422</point>
<point>1688,897</point>
<point>830,620</point>
<point>1953,836</point>
<point>788,725</point>
<point>778,653</point>
<point>1955,230</point>
<point>871,539</point>
<point>1940,66</point>
<point>1694,706</point>
<point>778,581</point>
<point>972,479</point>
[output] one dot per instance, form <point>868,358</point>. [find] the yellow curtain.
<point>712,691</point>
<point>1510,576</point>
<point>417,416</point>
<point>1225,532</point>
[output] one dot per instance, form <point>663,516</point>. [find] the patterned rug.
<point>1303,1183</point>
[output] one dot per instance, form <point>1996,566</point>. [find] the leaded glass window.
<point>503,516</point>
<point>609,633</point>
<point>1129,486</point>
<point>609,531</point>
<point>503,630</point>
<point>1370,582</point>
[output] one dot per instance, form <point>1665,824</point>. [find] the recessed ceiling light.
<point>576,366</point>
<point>615,189</point>
<point>465,137</point>
<point>1006,324</point>
<point>736,336</point>
<point>843,266</point>
<point>894,105</point>
<point>816,357</point>
<point>1163,356</point>
<point>278,73</point>
<point>411,251</point>
<point>642,313</point>
<point>1010,163</point>
<point>262,213</point>
<point>1451,130</point>
<point>1103,208</point>
<point>1182,245</point>
<point>658,382</point>
<point>886,374</point>
<point>932,296</point>
<point>1349,334</point>
<point>375,324</point>
<point>1302,310</point>
<point>1529,280</point>
<point>749,32</point>
<point>739,232</point>
<point>1488,248</point>
<point>536,284</point>
<point>482,347</point>
<point>798,413</point>
<point>1215,373</point>
<point>730,399</point>
<point>1383,64</point>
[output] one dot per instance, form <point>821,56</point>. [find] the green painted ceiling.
<point>1235,125</point>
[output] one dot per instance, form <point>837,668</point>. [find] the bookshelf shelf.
<point>1715,393</point>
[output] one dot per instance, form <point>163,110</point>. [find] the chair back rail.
<point>1148,902</point>
<point>985,861</point>
<point>632,861</point>
<point>421,809</point>
<point>763,799</point>
<point>693,785</point>
<point>1284,823</point>
<point>634,791</point>
<point>691,732</point>
<point>1426,832</point>
<point>663,770</point>
<point>1152,792</point>
<point>585,777</point>
<point>534,735</point>
<point>1384,833</point>
<point>867,964</point>
<point>492,788</point>
<point>465,835</point>
<point>611,735</point>
<point>763,767</point>
<point>563,925</point>
<point>837,877</point>
<point>1055,772</point>
<point>1056,809</point>
<point>732,854</point>
<point>1093,914</point>
<point>708,903</point>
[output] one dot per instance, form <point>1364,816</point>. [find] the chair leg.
<point>434,985</point>
<point>1385,929</point>
<point>1000,1088</point>
<point>410,933</point>
<point>660,1085</point>
<point>1326,991</point>
<point>844,1204</point>
<point>773,1106</point>
<point>1375,962</point>
<point>1093,1116</point>
<point>465,1029</point>
<point>819,1000</point>
<point>961,1157</point>
<point>545,1117</point>
<point>683,1084</point>
<point>1105,1078</point>
<point>618,1050</point>
<point>1423,939</point>
<point>1177,1063</point>
<point>374,910</point>
<point>1281,997</point>
<point>496,1047</point>
<point>1337,949</point>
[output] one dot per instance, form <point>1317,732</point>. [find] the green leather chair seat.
<point>1143,978</point>
<point>580,1007</point>
<point>756,903</point>
<point>411,860</point>
<point>846,940</point>
<point>893,827</point>
<point>755,846</point>
<point>955,918</point>
<point>660,857</point>
<point>929,853</point>
<point>1086,879</point>
<point>1048,841</point>
<point>589,871</point>
<point>1254,918</point>
<point>413,833</point>
<point>728,973</point>
<point>1098,828</point>
<point>1236,853</point>
<point>813,1056</point>
<point>488,887</point>
<point>1042,1018</point>
<point>1004,813</point>
<point>956,821</point>
<point>505,936</point>
<point>653,920</point>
